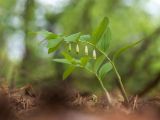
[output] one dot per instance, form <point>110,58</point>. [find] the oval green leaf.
<point>72,38</point>
<point>69,70</point>
<point>99,31</point>
<point>104,70</point>
<point>98,63</point>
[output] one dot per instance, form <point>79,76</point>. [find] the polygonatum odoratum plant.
<point>92,52</point>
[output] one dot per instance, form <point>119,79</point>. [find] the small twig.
<point>135,103</point>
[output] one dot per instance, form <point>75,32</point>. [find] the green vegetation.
<point>98,41</point>
<point>24,59</point>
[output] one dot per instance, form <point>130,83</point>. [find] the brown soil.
<point>65,103</point>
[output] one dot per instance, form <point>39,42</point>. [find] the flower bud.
<point>77,48</point>
<point>86,50</point>
<point>69,47</point>
<point>94,54</point>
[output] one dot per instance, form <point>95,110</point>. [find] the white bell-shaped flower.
<point>69,47</point>
<point>94,54</point>
<point>86,50</point>
<point>77,48</point>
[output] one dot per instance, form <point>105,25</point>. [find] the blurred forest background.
<point>24,59</point>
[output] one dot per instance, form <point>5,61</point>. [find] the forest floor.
<point>65,103</point>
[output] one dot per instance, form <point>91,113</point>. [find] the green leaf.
<point>62,61</point>
<point>51,36</point>
<point>76,62</point>
<point>85,38</point>
<point>98,63</point>
<point>54,42</point>
<point>71,59</point>
<point>89,66</point>
<point>104,70</point>
<point>84,61</point>
<point>99,31</point>
<point>123,49</point>
<point>48,35</point>
<point>72,38</point>
<point>68,57</point>
<point>68,72</point>
<point>104,42</point>
<point>50,50</point>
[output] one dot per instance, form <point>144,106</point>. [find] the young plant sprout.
<point>98,41</point>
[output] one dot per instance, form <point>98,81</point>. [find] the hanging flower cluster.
<point>85,50</point>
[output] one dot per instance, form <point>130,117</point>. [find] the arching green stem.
<point>115,70</point>
<point>102,85</point>
<point>105,90</point>
<point>119,79</point>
